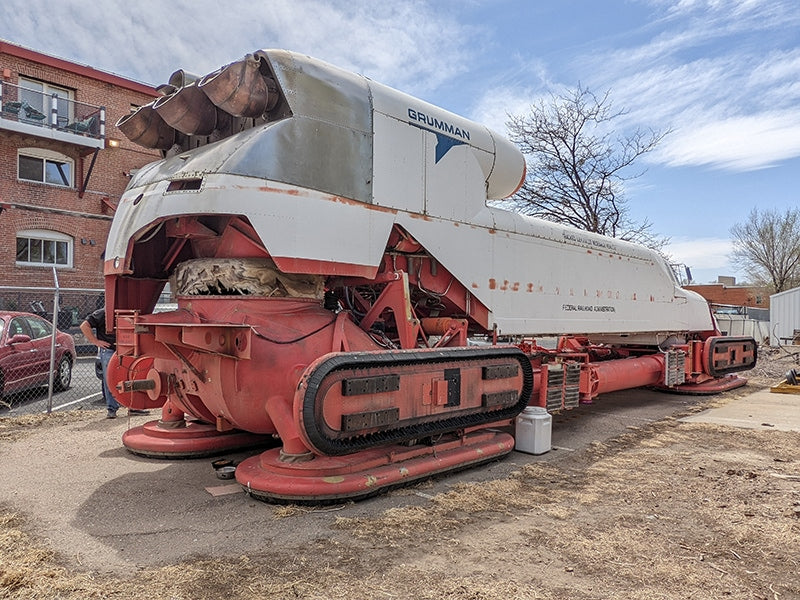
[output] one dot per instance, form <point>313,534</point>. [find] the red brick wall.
<point>718,293</point>
<point>56,208</point>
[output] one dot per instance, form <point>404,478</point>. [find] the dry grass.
<point>673,511</point>
<point>30,571</point>
<point>670,516</point>
<point>466,501</point>
<point>13,428</point>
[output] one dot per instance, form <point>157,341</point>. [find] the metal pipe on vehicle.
<point>146,128</point>
<point>240,89</point>
<point>188,110</point>
<point>627,373</point>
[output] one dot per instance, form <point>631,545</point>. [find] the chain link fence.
<point>40,373</point>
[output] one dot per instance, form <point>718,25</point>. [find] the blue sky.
<point>723,75</point>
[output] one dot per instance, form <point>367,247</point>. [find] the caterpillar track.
<point>355,401</point>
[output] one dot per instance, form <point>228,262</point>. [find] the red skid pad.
<point>712,386</point>
<point>193,441</point>
<point>367,472</point>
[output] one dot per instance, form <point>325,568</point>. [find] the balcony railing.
<point>52,116</point>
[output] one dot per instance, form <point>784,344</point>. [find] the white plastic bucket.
<point>533,428</point>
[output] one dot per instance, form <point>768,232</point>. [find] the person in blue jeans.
<point>94,329</point>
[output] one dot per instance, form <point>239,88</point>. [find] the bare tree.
<point>577,165</point>
<point>767,247</point>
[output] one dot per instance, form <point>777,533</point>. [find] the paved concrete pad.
<point>760,410</point>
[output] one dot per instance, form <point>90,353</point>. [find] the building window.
<point>39,96</point>
<point>44,166</point>
<point>758,299</point>
<point>41,248</point>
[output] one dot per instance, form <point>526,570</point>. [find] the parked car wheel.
<point>63,376</point>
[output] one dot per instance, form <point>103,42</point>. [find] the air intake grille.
<point>555,387</point>
<point>572,385</point>
<point>674,371</point>
<point>563,386</point>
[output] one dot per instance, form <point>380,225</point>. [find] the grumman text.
<point>435,123</point>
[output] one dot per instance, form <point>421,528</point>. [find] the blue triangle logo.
<point>443,144</point>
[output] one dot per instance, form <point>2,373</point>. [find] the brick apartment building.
<point>63,168</point>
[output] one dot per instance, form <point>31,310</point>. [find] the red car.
<point>25,353</point>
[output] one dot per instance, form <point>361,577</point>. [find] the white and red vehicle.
<point>343,285</point>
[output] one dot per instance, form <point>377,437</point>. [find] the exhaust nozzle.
<point>146,128</point>
<point>240,89</point>
<point>188,110</point>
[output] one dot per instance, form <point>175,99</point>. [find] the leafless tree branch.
<point>767,248</point>
<point>578,165</point>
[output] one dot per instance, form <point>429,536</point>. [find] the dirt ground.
<point>665,509</point>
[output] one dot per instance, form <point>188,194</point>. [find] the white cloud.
<point>493,109</point>
<point>707,258</point>
<point>701,253</point>
<point>724,75</point>
<point>777,68</point>
<point>738,143</point>
<point>730,15</point>
<point>732,112</point>
<point>409,44</point>
<point>718,75</point>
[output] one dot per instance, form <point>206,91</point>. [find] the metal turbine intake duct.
<point>146,128</point>
<point>188,110</point>
<point>240,89</point>
<point>165,89</point>
<point>181,78</point>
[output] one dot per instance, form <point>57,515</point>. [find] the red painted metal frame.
<point>395,299</point>
<point>453,332</point>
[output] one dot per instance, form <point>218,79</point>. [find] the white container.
<point>533,427</point>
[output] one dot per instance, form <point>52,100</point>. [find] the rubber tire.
<point>63,375</point>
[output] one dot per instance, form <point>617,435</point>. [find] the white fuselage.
<point>432,173</point>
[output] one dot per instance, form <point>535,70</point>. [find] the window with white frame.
<point>39,94</point>
<point>43,248</point>
<point>45,166</point>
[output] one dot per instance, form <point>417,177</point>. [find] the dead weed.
<point>13,428</point>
